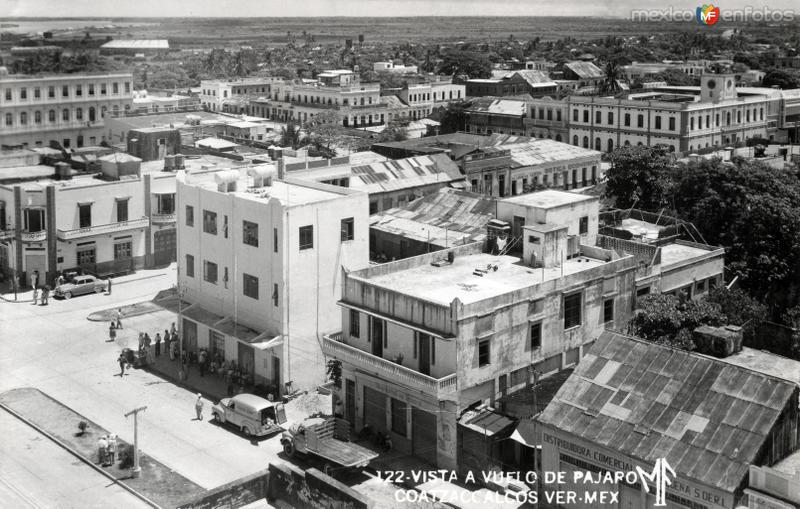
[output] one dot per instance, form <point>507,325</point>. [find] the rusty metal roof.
<point>585,69</point>
<point>394,175</point>
<point>708,418</point>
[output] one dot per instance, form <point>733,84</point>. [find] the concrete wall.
<point>238,493</point>
<point>312,489</point>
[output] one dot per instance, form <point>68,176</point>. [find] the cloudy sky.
<point>277,8</point>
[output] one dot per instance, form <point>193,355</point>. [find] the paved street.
<point>36,472</point>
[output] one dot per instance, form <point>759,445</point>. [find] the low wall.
<point>234,494</point>
<point>311,489</point>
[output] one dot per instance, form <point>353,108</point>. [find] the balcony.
<point>439,388</point>
<point>162,218</point>
<point>39,236</point>
<point>101,229</point>
<point>6,234</point>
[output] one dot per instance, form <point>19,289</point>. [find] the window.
<point>127,87</point>
<point>658,122</point>
<point>627,120</point>
<point>275,294</point>
<point>37,93</point>
<point>123,250</point>
<point>572,310</point>
<point>575,115</point>
<point>274,240</point>
<point>103,89</point>
<point>34,220</point>
<point>23,93</point>
<point>79,114</point>
<point>9,119</point>
<point>37,117</point>
<point>189,215</point>
<point>608,310</point>
<point>399,417</point>
<point>250,286</point>
<point>598,117</point>
<point>65,115</point>
<point>122,210</point>
<point>483,353</point>
<point>583,225</point>
<point>91,89</point>
<point>640,121</point>
<point>166,203</point>
<point>306,237</point>
<point>250,233</point>
<point>189,265</point>
<point>210,272</point>
<point>8,94</point>
<point>672,123</point>
<point>115,88</point>
<point>210,222</point>
<point>536,335</point>
<point>347,229</point>
<point>610,118</point>
<point>586,116</point>
<point>23,118</point>
<point>51,116</point>
<point>86,256</point>
<point>355,323</point>
<point>700,286</point>
<point>65,91</point>
<point>85,215</point>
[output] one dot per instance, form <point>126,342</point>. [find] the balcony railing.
<point>6,234</point>
<point>162,218</point>
<point>34,236</point>
<point>103,228</point>
<point>437,387</point>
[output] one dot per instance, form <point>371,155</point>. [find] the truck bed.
<point>346,454</point>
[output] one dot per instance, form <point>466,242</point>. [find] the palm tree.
<point>610,86</point>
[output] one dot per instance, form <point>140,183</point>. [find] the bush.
<point>82,428</point>
<point>126,457</point>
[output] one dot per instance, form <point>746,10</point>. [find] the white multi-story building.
<point>215,93</point>
<point>422,98</point>
<point>64,108</point>
<point>395,68</point>
<point>112,223</point>
<point>261,260</point>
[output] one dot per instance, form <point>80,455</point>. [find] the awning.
<point>525,434</point>
<point>268,344</point>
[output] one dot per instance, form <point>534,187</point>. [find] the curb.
<point>11,301</point>
<point>81,457</point>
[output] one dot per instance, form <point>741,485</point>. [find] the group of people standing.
<point>40,295</point>
<point>107,450</point>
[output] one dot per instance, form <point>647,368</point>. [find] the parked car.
<point>79,285</point>
<point>251,414</point>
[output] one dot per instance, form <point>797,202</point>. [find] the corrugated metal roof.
<point>449,215</point>
<point>498,106</point>
<point>708,418</point>
<point>137,44</point>
<point>407,173</point>
<point>542,151</point>
<point>585,69</point>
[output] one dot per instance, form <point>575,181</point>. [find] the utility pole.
<point>137,470</point>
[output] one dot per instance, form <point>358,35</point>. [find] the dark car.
<point>80,285</point>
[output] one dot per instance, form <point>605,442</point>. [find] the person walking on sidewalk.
<point>119,318</point>
<point>122,361</point>
<point>45,295</point>
<point>112,332</point>
<point>109,286</point>
<point>198,407</point>
<point>35,295</point>
<point>173,349</point>
<point>158,344</point>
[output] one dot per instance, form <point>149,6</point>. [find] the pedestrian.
<point>111,451</point>
<point>230,388</point>
<point>35,295</point>
<point>158,344</point>
<point>122,361</point>
<point>173,330</point>
<point>119,318</point>
<point>147,340</point>
<point>173,350</point>
<point>201,362</point>
<point>198,407</point>
<point>35,279</point>
<point>141,340</point>
<point>102,448</point>
<point>109,286</point>
<point>60,279</point>
<point>112,332</point>
<point>45,295</point>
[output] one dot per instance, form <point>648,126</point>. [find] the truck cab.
<point>251,414</point>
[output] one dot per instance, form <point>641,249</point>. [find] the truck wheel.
<point>288,448</point>
<point>97,289</point>
<point>246,431</point>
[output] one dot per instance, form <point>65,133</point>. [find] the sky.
<point>323,8</point>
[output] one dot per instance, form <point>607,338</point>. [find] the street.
<point>36,472</point>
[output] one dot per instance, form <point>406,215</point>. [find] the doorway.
<point>424,353</point>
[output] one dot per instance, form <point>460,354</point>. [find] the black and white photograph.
<point>389,254</point>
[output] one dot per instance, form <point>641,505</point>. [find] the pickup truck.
<point>315,437</point>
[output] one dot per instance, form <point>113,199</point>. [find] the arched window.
<point>627,143</point>
<point>91,114</point>
<point>79,114</point>
<point>728,118</point>
<point>639,144</point>
<point>672,148</point>
<point>65,115</point>
<point>9,119</point>
<point>597,145</point>
<point>558,137</point>
<point>585,142</point>
<point>23,118</point>
<point>115,109</point>
<point>628,119</point>
<point>51,115</point>
<point>738,117</point>
<point>761,114</point>
<point>37,117</point>
<point>575,140</point>
<point>610,145</point>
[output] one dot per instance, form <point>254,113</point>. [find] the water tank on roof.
<point>63,171</point>
<point>179,164</point>
<point>169,163</point>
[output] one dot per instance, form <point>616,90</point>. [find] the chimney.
<point>718,341</point>
<point>281,168</point>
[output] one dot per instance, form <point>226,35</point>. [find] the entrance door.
<point>519,222</point>
<point>503,385</point>
<point>377,332</point>
<point>217,342</point>
<point>375,409</point>
<point>423,435</point>
<point>424,353</point>
<point>36,262</point>
<point>164,247</point>
<point>189,335</point>
<point>350,401</point>
<point>247,358</point>
<point>276,371</point>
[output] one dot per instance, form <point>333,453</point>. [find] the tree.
<point>610,85</point>
<point>640,176</point>
<point>780,78</point>
<point>670,320</point>
<point>466,63</point>
<point>290,135</point>
<point>454,117</point>
<point>324,130</point>
<point>673,77</point>
<point>738,307</point>
<point>395,131</point>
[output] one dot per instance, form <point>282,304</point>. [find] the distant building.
<point>150,102</point>
<point>427,340</point>
<point>585,73</point>
<point>504,115</point>
<point>535,83</point>
<point>394,68</point>
<point>261,259</point>
<point>67,110</point>
<point>631,403</point>
<point>225,95</point>
<point>135,46</point>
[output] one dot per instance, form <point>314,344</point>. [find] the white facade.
<point>214,93</point>
<point>66,108</point>
<point>269,259</point>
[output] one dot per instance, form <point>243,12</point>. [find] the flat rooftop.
<point>640,228</point>
<point>443,284</point>
<point>675,253</point>
<point>767,363</point>
<point>549,199</point>
<point>26,172</point>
